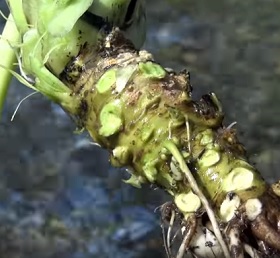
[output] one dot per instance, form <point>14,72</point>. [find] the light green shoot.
<point>16,8</point>
<point>47,34</point>
<point>10,37</point>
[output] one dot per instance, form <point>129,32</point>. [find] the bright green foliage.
<point>58,29</point>
<point>54,32</point>
<point>63,31</point>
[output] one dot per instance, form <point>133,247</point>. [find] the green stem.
<point>10,36</point>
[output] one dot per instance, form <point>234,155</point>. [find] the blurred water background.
<point>59,197</point>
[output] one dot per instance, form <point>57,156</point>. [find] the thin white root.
<point>164,241</point>
<point>231,125</point>
<point>182,250</point>
<point>3,15</point>
<point>22,73</point>
<point>188,133</point>
<point>188,236</point>
<point>175,235</point>
<point>184,168</point>
<point>172,219</point>
<point>25,98</point>
<point>162,207</point>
